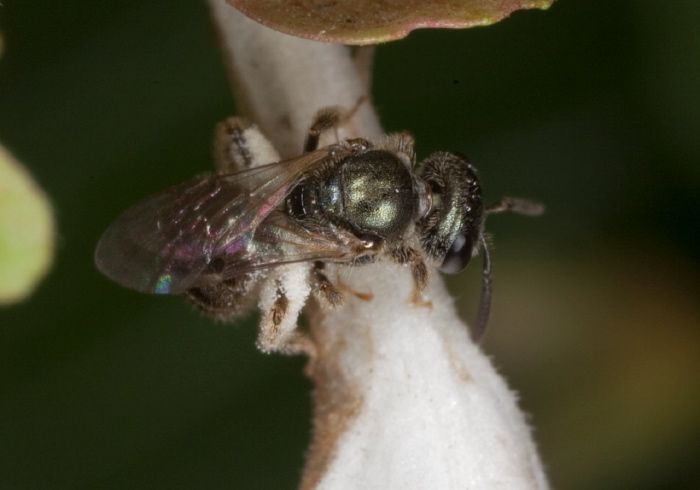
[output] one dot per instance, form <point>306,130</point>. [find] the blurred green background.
<point>592,107</point>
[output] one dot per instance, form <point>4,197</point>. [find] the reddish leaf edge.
<point>375,35</point>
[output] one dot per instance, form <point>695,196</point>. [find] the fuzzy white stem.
<point>403,398</point>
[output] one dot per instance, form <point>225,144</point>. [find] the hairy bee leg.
<point>275,335</point>
<point>419,272</point>
<point>517,205</point>
<point>326,119</point>
<point>324,290</point>
<point>283,294</point>
<point>420,282</point>
<point>279,308</point>
<point>239,145</point>
<point>231,154</point>
<point>275,338</point>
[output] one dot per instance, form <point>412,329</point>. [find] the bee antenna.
<point>516,205</point>
<point>482,316</point>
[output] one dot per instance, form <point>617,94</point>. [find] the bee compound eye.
<point>458,256</point>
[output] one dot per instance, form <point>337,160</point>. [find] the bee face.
<point>219,239</point>
<point>450,233</point>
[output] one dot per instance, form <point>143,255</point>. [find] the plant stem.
<point>403,397</point>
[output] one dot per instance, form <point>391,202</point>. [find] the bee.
<point>220,239</point>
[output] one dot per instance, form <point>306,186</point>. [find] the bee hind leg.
<point>274,336</point>
<point>240,145</point>
<point>282,296</point>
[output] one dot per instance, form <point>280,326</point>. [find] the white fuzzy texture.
<point>404,399</point>
<point>434,413</point>
<point>292,281</point>
<point>284,80</point>
<point>265,152</point>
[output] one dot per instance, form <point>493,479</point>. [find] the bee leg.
<point>419,271</point>
<point>239,145</point>
<point>325,119</point>
<point>328,118</point>
<point>225,300</point>
<point>275,335</point>
<point>325,291</point>
<point>279,308</point>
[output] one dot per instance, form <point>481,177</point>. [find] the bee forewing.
<point>280,240</point>
<point>152,247</point>
<point>166,243</point>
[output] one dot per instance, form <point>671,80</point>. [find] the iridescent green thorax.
<point>377,194</point>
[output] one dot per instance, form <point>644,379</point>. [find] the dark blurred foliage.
<point>592,107</point>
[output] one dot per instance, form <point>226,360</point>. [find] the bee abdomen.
<point>226,300</point>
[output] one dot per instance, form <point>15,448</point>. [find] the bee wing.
<point>281,240</point>
<point>168,242</point>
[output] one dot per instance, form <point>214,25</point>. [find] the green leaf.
<point>374,21</point>
<point>26,231</point>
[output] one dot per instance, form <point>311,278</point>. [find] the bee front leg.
<point>419,272</point>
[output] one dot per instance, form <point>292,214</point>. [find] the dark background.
<point>592,107</point>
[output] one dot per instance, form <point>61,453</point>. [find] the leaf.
<point>375,21</point>
<point>26,231</point>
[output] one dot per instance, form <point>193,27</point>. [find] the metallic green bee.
<point>214,237</point>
